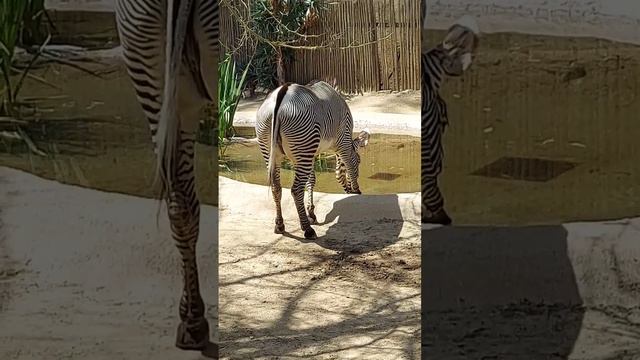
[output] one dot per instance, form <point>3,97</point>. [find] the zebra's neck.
<point>432,67</point>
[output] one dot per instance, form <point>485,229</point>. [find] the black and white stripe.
<point>299,122</point>
<point>171,51</point>
<point>448,59</point>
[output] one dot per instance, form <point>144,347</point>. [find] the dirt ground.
<point>86,274</point>
<point>542,292</point>
<point>354,293</point>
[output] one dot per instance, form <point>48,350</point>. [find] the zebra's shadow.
<point>498,292</point>
<point>361,224</point>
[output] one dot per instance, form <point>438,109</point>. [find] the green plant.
<point>278,25</point>
<point>14,17</point>
<point>230,87</point>
<point>263,68</point>
<point>18,20</point>
<point>324,162</point>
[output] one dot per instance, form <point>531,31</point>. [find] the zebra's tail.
<point>167,136</point>
<point>275,134</point>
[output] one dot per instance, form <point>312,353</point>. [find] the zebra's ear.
<point>363,139</point>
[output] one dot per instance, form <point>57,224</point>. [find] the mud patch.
<point>384,176</point>
<point>525,169</point>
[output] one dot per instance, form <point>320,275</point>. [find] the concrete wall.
<point>617,20</point>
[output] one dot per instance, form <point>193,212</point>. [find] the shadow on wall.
<point>382,228</point>
<point>498,293</point>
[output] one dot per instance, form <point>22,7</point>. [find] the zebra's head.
<point>459,45</point>
<point>358,143</point>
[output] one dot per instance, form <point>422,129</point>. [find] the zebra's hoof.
<point>279,229</point>
<point>193,334</point>
<point>439,218</point>
<point>310,234</point>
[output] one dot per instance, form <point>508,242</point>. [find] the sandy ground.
<point>354,293</point>
<point>395,113</point>
<point>549,292</point>
<point>87,275</point>
<point>616,20</point>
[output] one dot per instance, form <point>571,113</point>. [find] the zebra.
<point>300,121</point>
<point>451,57</point>
<point>171,52</point>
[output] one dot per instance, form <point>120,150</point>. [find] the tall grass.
<point>324,162</point>
<point>230,87</point>
<point>17,17</point>
<point>20,21</point>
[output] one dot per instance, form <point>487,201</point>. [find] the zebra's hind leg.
<point>184,215</point>
<point>439,217</point>
<point>433,211</point>
<point>276,187</point>
<point>341,175</point>
<point>311,183</point>
<point>297,191</point>
<point>276,190</point>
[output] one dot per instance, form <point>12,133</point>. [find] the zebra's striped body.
<point>450,58</point>
<point>434,121</point>
<point>299,122</point>
<point>171,50</point>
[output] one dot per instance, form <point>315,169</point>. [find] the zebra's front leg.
<point>184,215</point>
<point>311,183</point>
<point>297,191</point>
<point>276,190</point>
<point>433,211</point>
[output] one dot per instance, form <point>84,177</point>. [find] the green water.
<point>562,100</point>
<point>94,134</point>
<point>390,164</point>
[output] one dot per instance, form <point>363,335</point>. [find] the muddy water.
<point>390,164</point>
<point>544,130</point>
<point>93,133</point>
